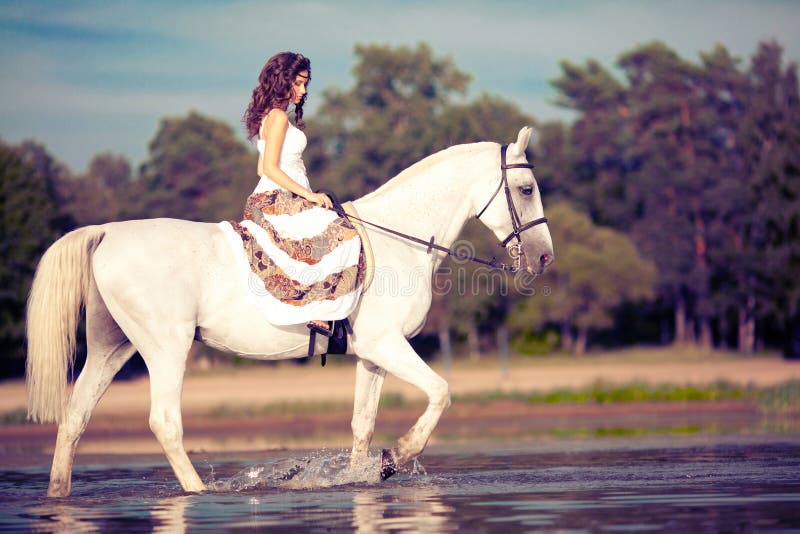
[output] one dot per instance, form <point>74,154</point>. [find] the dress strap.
<point>263,120</point>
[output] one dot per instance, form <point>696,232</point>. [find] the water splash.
<point>417,468</point>
<point>319,471</point>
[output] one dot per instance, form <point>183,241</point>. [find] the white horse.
<point>154,286</point>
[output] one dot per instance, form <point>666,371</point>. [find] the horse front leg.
<point>394,354</point>
<point>369,382</point>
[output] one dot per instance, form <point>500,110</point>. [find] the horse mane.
<point>423,165</point>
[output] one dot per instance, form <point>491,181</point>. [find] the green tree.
<point>102,194</point>
<point>665,106</point>
<point>31,221</point>
<point>597,178</point>
<point>384,123</point>
<point>552,154</point>
<point>770,135</point>
<point>197,170</point>
<point>726,194</point>
<point>598,269</point>
<point>488,118</point>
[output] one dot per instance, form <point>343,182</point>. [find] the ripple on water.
<point>718,487</point>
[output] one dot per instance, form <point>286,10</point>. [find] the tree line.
<point>673,195</point>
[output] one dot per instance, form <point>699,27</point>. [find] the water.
<point>731,485</point>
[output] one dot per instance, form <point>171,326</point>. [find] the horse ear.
<point>523,138</point>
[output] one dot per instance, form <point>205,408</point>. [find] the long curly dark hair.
<point>273,90</point>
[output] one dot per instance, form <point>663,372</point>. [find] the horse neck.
<point>431,198</point>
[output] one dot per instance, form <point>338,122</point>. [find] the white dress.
<point>299,261</point>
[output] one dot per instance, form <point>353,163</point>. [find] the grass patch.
<point>783,398</point>
<point>639,392</point>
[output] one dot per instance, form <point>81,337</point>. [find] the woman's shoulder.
<point>276,116</point>
<point>275,120</point>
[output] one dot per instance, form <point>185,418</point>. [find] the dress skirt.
<point>298,260</point>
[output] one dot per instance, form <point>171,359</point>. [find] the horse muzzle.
<point>535,260</point>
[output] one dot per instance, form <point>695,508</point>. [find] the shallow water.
<point>598,485</point>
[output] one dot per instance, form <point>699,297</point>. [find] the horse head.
<point>518,222</point>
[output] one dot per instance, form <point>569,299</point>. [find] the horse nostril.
<point>545,260</point>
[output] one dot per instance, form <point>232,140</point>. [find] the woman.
<point>306,257</point>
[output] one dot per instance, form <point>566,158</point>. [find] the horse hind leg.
<point>166,371</point>
<point>107,351</point>
<point>152,321</point>
<point>164,346</point>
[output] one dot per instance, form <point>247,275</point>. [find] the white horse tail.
<point>54,310</point>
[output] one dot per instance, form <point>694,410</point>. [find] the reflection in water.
<point>60,518</point>
<point>169,514</point>
<point>419,510</point>
<point>724,488</point>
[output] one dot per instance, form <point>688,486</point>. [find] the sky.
<point>86,77</point>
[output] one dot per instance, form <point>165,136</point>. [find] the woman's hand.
<point>320,198</point>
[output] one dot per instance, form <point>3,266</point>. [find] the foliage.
<point>384,123</point>
<point>31,221</point>
<point>783,398</point>
<point>696,161</point>
<point>197,170</point>
<point>536,343</point>
<point>598,268</point>
<point>102,194</point>
<point>636,392</point>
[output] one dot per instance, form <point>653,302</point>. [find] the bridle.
<point>516,223</point>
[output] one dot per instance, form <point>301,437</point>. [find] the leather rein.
<point>516,223</point>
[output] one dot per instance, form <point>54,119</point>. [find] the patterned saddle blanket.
<point>303,262</point>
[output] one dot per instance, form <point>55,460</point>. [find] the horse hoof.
<point>388,465</point>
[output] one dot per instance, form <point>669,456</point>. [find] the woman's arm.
<point>274,133</point>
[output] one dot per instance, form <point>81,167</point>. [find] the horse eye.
<point>526,190</point>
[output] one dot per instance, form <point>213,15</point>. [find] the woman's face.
<point>299,87</point>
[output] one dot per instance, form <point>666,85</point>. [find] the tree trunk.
<point>580,342</point>
<point>724,332</point>
<point>690,338</point>
<point>747,327</point>
<point>502,351</point>
<point>665,332</point>
<point>680,322</point>
<point>791,347</point>
<point>474,342</point>
<point>447,349</point>
<point>706,340</point>
<point>567,340</point>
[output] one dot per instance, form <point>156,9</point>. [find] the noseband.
<point>516,223</point>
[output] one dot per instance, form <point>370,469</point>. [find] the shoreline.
<point>262,383</point>
<point>288,406</point>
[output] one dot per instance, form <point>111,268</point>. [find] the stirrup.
<point>314,327</point>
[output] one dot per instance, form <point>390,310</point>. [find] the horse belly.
<point>228,321</point>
